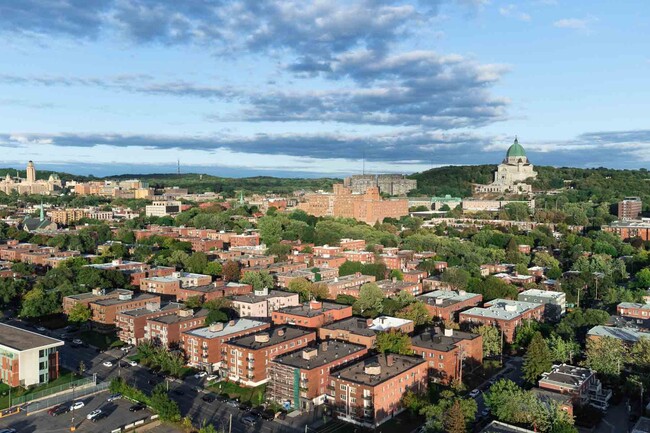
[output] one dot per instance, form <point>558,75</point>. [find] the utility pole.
<point>230,425</point>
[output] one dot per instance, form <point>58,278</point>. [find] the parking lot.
<point>42,422</point>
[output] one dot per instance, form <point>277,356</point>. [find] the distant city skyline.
<point>309,88</point>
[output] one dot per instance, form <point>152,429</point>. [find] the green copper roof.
<point>516,150</point>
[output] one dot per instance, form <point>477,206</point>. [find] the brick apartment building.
<point>635,310</point>
<point>328,261</point>
<point>505,314</point>
<point>131,323</point>
<point>368,207</point>
<point>369,392</point>
<point>246,360</point>
<point>327,251</point>
<point>579,383</point>
<point>630,208</point>
<point>262,303</point>
<point>448,352</point>
<point>244,240</point>
<point>393,287</point>
<point>301,377</point>
<point>104,305</point>
<point>218,289</point>
<point>446,304</point>
<point>27,358</point>
<point>347,285</point>
<point>166,330</point>
<point>363,257</point>
<point>629,229</point>
<point>172,284</point>
<point>137,275</point>
<point>414,276</point>
<point>203,346</point>
<point>353,330</point>
<point>314,314</point>
<point>352,244</point>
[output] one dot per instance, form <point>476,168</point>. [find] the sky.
<point>306,88</point>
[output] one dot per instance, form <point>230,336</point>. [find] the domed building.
<point>511,173</point>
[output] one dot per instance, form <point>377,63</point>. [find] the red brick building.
<point>505,314</point>
<point>312,315</point>
<point>347,285</point>
<point>446,304</point>
<point>250,240</point>
<point>166,330</point>
<point>131,323</point>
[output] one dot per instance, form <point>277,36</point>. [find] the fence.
<point>65,397</point>
<point>136,424</point>
<point>49,391</point>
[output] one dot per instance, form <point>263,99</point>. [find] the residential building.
<point>387,323</point>
<point>203,346</point>
<point>636,310</point>
<point>393,287</point>
<point>505,314</point>
<point>630,229</point>
<point>627,335</point>
<point>131,323</point>
<point>448,352</point>
<point>353,330</point>
<point>313,314</point>
<point>347,285</point>
<point>580,383</point>
<point>299,379</point>
<point>391,184</point>
<point>501,427</point>
<point>630,208</point>
<point>446,304</point>
<point>166,330</point>
<point>347,244</point>
<point>245,240</point>
<point>104,311</point>
<point>218,289</point>
<point>368,392</point>
<point>262,303</point>
<point>554,302</point>
<point>172,284</point>
<point>163,208</point>
<point>246,360</point>
<point>27,358</point>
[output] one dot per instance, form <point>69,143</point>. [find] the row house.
<point>352,244</point>
<point>393,287</point>
<point>262,303</point>
<point>369,392</point>
<point>217,289</point>
<point>329,261</point>
<point>347,285</point>
<point>446,304</point>
<point>131,323</point>
<point>166,330</point>
<point>448,352</point>
<point>312,315</point>
<point>301,377</point>
<point>505,314</point>
<point>246,360</point>
<point>363,257</point>
<point>203,346</point>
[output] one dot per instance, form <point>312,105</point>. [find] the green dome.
<point>516,150</point>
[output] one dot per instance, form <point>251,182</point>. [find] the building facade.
<point>511,173</point>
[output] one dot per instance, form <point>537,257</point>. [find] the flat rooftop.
<point>383,323</point>
<point>567,375</point>
<point>228,329</point>
<point>501,427</point>
<point>176,318</point>
<point>550,294</point>
<point>446,297</point>
<point>357,372</point>
<point>634,305</point>
<point>437,340</point>
<point>355,325</point>
<point>254,299</point>
<point>502,309</point>
<point>323,353</point>
<point>276,335</point>
<point>20,339</point>
<point>629,335</point>
<point>91,295</point>
<point>394,286</point>
<point>117,301</point>
<point>139,312</point>
<point>306,310</point>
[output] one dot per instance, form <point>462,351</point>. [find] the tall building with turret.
<point>30,185</point>
<point>511,173</point>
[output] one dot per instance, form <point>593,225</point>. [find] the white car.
<point>77,341</point>
<point>132,363</point>
<point>41,329</point>
<point>93,414</point>
<point>474,393</point>
<point>200,374</point>
<point>77,405</point>
<point>212,377</point>
<point>107,364</point>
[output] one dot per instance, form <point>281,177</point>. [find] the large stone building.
<point>30,185</point>
<point>511,174</point>
<point>391,184</point>
<point>368,207</point>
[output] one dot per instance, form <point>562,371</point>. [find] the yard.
<point>64,379</point>
<point>100,340</point>
<point>255,395</point>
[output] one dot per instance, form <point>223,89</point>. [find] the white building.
<point>511,174</point>
<point>162,208</point>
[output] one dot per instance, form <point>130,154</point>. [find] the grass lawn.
<point>65,378</point>
<point>99,340</point>
<point>254,395</point>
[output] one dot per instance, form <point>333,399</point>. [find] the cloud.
<point>581,24</point>
<point>512,12</point>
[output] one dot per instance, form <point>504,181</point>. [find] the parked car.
<point>212,377</point>
<point>200,374</point>
<point>93,414</point>
<point>233,402</point>
<point>208,398</point>
<point>40,329</point>
<point>223,397</point>
<point>178,391</point>
<point>474,393</point>
<point>268,415</point>
<point>77,405</point>
<point>126,348</point>
<point>137,407</point>
<point>114,397</point>
<point>58,410</point>
<point>8,430</point>
<point>99,417</point>
<point>107,364</point>
<point>133,363</point>
<point>485,412</point>
<point>77,341</point>
<point>249,419</point>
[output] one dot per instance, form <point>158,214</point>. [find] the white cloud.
<point>511,11</point>
<point>581,24</point>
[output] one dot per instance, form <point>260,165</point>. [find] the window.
<point>343,387</point>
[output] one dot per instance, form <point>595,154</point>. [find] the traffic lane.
<point>42,422</point>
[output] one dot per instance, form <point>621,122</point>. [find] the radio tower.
<point>178,167</point>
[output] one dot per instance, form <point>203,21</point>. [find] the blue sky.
<point>306,88</point>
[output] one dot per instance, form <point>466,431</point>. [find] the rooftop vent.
<point>186,312</point>
<point>373,369</point>
<point>309,353</point>
<point>125,296</point>
<point>510,307</point>
<point>262,338</point>
<point>98,291</point>
<point>216,327</point>
<point>449,332</point>
<point>262,292</point>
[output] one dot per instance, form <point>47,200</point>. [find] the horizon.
<point>310,89</point>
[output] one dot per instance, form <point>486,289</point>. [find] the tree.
<point>302,286</point>
<point>561,349</point>
<point>491,339</point>
<point>394,342</point>
<point>82,368</point>
<point>606,355</point>
<point>454,420</point>
<point>215,316</point>
<point>213,268</point>
<point>537,359</point>
<point>643,278</point>
<point>437,413</point>
<point>640,354</point>
<point>319,291</point>
<point>417,312</point>
<point>270,228</point>
<point>370,298</point>
<point>457,278</point>
<point>258,279</point>
<point>166,408</point>
<point>508,402</point>
<point>231,271</point>
<point>79,313</point>
<point>397,274</point>
<point>196,263</point>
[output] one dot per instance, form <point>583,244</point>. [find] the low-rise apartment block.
<point>171,285</point>
<point>166,330</point>
<point>580,383</point>
<point>27,358</point>
<point>204,346</point>
<point>353,330</point>
<point>369,392</point>
<point>634,310</point>
<point>314,314</point>
<point>247,359</point>
<point>218,289</point>
<point>505,314</point>
<point>347,285</point>
<point>554,302</point>
<point>131,323</point>
<point>301,377</point>
<point>446,304</point>
<point>262,303</point>
<point>163,208</point>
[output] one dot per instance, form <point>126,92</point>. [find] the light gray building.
<point>391,184</point>
<point>554,302</point>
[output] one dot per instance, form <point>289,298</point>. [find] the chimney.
<point>324,346</point>
<point>152,306</point>
<point>280,332</point>
<point>231,323</point>
<point>315,305</point>
<point>390,360</point>
<point>449,332</point>
<point>368,322</point>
